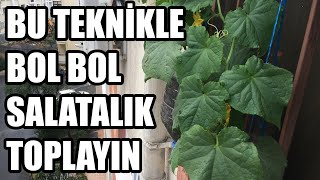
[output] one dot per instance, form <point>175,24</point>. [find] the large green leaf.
<point>159,59</point>
<point>272,158</point>
<point>174,157</point>
<point>240,52</point>
<point>258,88</point>
<point>193,5</point>
<point>203,56</point>
<point>161,2</point>
<point>199,103</point>
<point>226,156</point>
<point>252,26</point>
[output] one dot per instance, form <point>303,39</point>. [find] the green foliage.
<point>59,175</point>
<point>252,25</point>
<point>27,88</point>
<point>272,158</point>
<point>2,64</point>
<point>163,3</point>
<point>203,55</point>
<point>216,72</point>
<point>193,5</point>
<point>201,104</point>
<point>240,52</point>
<point>159,59</point>
<point>252,85</point>
<point>228,155</point>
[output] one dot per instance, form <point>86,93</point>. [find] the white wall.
<point>5,3</point>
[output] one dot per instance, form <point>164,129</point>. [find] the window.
<point>32,3</point>
<point>57,3</point>
<point>49,3</point>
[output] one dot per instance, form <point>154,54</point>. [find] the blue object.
<point>173,144</point>
<point>275,60</point>
<point>282,7</point>
<point>280,17</point>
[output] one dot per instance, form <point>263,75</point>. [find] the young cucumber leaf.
<point>193,5</point>
<point>272,158</point>
<point>200,104</point>
<point>258,88</point>
<point>252,26</point>
<point>226,156</point>
<point>203,56</point>
<point>159,59</point>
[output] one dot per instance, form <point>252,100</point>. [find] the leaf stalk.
<point>219,9</point>
<point>230,53</point>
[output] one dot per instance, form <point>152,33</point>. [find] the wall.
<point>5,3</point>
<point>69,2</point>
<point>134,84</point>
<point>69,45</point>
<point>154,164</point>
<point>154,161</point>
<point>304,156</point>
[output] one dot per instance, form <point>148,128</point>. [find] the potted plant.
<point>214,74</point>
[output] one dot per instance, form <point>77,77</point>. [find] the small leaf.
<point>252,26</point>
<point>193,5</point>
<point>258,88</point>
<point>272,158</point>
<point>202,104</point>
<point>159,59</point>
<point>226,156</point>
<point>203,56</point>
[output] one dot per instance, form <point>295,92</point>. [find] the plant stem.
<point>230,53</point>
<point>226,124</point>
<point>217,141</point>
<point>219,9</point>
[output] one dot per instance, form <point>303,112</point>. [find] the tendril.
<point>222,33</point>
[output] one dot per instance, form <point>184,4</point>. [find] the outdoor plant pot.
<point>170,96</point>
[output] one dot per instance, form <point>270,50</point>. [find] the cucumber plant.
<point>218,73</point>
